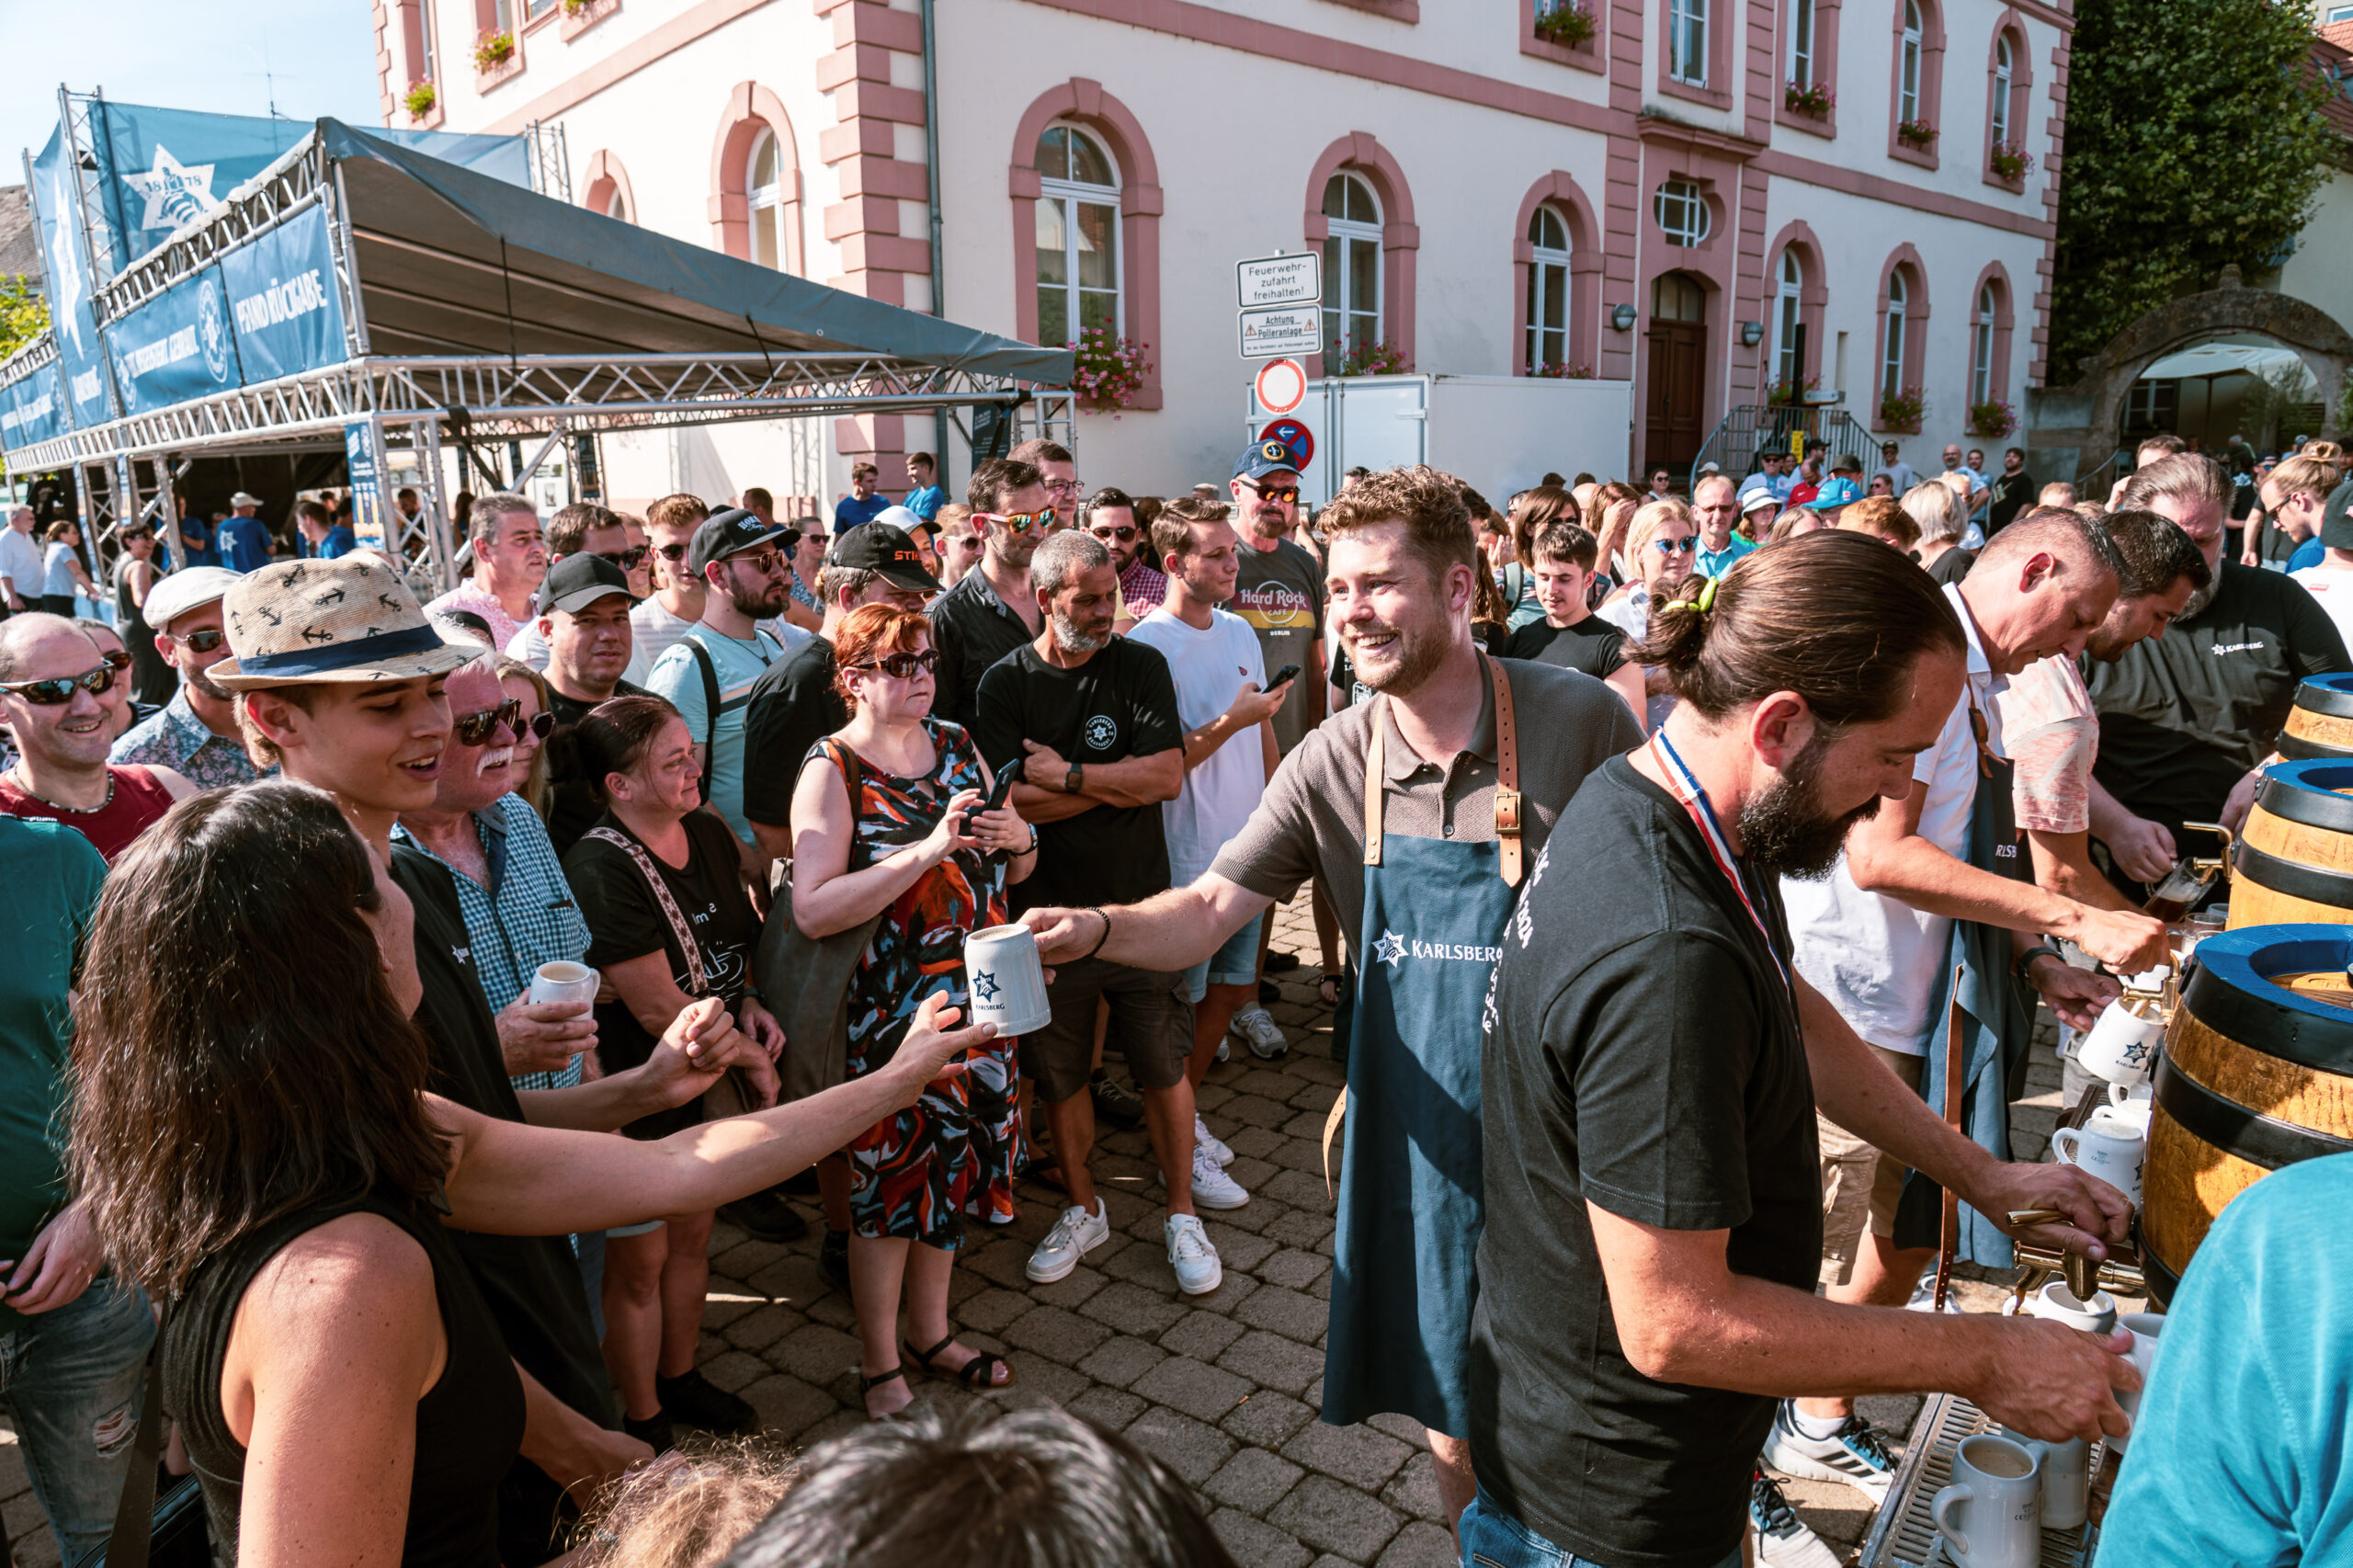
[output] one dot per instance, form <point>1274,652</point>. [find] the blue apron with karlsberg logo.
<point>1410,1203</point>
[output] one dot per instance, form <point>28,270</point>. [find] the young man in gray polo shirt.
<point>1401,569</point>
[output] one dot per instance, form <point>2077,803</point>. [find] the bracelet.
<point>2026,960</point>
<point>1099,940</point>
<point>1030,847</point>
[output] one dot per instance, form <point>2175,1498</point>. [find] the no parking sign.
<point>1294,436</point>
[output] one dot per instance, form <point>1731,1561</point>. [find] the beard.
<point>758,602</point>
<point>2201,597</point>
<point>1785,830</point>
<point>203,682</point>
<point>1418,656</point>
<point>1070,638</point>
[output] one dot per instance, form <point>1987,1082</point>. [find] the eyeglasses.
<point>628,560</point>
<point>1123,532</point>
<point>1675,546</point>
<point>59,689</point>
<point>475,728</point>
<point>204,641</point>
<point>1064,486</point>
<point>1021,522</point>
<point>904,666</point>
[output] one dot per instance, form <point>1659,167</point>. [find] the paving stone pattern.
<point>1224,1387</point>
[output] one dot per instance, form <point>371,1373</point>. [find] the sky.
<point>310,57</point>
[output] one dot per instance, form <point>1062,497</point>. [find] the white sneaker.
<point>1204,1139</point>
<point>1212,1188</point>
<point>1857,1453</point>
<point>1074,1235</point>
<point>1778,1537</point>
<point>1264,1036</point>
<point>1191,1255</point>
<point>1224,1049</point>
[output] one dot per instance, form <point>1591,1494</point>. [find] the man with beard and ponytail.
<point>1457,767</point>
<point>1653,1062</point>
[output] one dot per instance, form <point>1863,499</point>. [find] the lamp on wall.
<point>1622,318</point>
<point>1752,333</point>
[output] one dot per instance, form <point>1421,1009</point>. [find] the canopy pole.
<point>167,513</point>
<point>425,438</point>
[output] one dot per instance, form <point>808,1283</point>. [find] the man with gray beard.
<point>1093,720</point>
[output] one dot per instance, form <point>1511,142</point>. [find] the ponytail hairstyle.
<point>609,738</point>
<point>1835,616</point>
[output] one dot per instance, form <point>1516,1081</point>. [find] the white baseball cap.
<point>184,591</point>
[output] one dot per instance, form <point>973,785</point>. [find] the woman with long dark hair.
<point>256,1146</point>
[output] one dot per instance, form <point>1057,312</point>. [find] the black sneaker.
<point>654,1431</point>
<point>1281,963</point>
<point>694,1401</point>
<point>1115,1102</point>
<point>834,1258</point>
<point>767,1217</point>
<point>1268,993</point>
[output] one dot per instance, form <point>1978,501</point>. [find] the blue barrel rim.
<point>2231,991</point>
<point>2330,694</point>
<point>2305,792</point>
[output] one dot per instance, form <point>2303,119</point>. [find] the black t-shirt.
<point>2012,494</point>
<point>1120,703</point>
<point>793,706</point>
<point>1951,566</point>
<point>2183,717</point>
<point>625,921</point>
<point>1641,1052</point>
<point>573,806</point>
<point>970,630</point>
<point>531,1282</point>
<point>1592,645</point>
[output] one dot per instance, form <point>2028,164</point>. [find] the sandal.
<point>867,1385</point>
<point>978,1373</point>
<point>1327,990</point>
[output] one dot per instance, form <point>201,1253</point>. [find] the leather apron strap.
<point>1508,796</point>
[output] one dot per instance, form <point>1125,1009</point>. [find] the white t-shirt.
<point>1209,668</point>
<point>2333,588</point>
<point>20,562</point>
<point>1876,959</point>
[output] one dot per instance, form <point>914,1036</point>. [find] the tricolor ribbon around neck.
<point>1694,799</point>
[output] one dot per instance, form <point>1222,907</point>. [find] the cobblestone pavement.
<point>1222,1387</point>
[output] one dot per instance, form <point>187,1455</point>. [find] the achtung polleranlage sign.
<point>1282,332</point>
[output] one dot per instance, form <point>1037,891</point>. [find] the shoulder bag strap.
<point>709,673</point>
<point>134,1515</point>
<point>697,983</point>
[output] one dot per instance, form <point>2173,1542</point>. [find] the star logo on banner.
<point>984,987</point>
<point>1390,950</point>
<point>176,193</point>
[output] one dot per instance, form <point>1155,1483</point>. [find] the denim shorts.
<point>1492,1538</point>
<point>1235,963</point>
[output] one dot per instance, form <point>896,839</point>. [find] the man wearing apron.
<point>1946,883</point>
<point>1417,810</point>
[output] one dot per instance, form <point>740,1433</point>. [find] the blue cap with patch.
<point>1260,459</point>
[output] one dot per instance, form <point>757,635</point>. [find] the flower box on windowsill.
<point>1577,43</point>
<point>579,15</point>
<point>422,102</point>
<point>1902,412</point>
<point>496,57</point>
<point>1815,100</point>
<point>1992,421</point>
<point>1916,134</point>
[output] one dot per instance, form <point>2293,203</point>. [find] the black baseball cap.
<point>885,550</point>
<point>732,532</point>
<point>2336,519</point>
<point>578,581</point>
<point>1260,459</point>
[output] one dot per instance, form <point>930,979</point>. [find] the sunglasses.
<point>762,560</point>
<point>904,666</point>
<point>1122,533</point>
<point>1675,546</point>
<point>674,552</point>
<point>1021,522</point>
<point>475,728</point>
<point>1285,493</point>
<point>204,641</point>
<point>59,689</point>
<point>628,560</point>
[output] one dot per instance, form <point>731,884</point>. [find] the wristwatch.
<point>1075,779</point>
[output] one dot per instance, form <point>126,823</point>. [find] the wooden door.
<point>1672,435</point>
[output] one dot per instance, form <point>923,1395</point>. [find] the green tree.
<point>2194,140</point>
<point>24,314</point>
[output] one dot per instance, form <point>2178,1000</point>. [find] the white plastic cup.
<point>563,980</point>
<point>1008,982</point>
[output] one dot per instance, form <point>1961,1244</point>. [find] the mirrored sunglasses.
<point>1022,522</point>
<point>205,642</point>
<point>475,728</point>
<point>59,690</point>
<point>904,666</point>
<point>1675,546</point>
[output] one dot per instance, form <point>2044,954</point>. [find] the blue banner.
<point>282,299</point>
<point>174,348</point>
<point>32,409</point>
<point>80,356</point>
<point>363,455</point>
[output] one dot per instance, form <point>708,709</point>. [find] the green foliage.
<point>24,314</point>
<point>2194,140</point>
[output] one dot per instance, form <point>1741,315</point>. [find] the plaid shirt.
<point>176,738</point>
<point>525,918</point>
<point>1142,589</point>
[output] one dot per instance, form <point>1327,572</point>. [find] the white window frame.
<point>762,200</point>
<point>1789,314</point>
<point>1981,362</point>
<point>1687,41</point>
<point>1998,112</point>
<point>1908,56</point>
<point>1802,42</point>
<point>1698,206</point>
<point>1336,284</point>
<point>617,204</point>
<point>1542,261</point>
<point>1069,195</point>
<point>1891,373</point>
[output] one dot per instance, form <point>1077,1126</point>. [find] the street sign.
<point>1295,435</point>
<point>1296,280</point>
<point>1281,332</point>
<point>1281,385</point>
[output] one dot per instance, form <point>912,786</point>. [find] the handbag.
<point>804,980</point>
<point>149,1531</point>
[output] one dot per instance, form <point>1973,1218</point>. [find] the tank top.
<point>134,804</point>
<point>152,679</point>
<point>469,1425</point>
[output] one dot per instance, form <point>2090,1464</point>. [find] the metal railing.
<point>1745,430</point>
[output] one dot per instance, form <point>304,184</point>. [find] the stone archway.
<point>2073,429</point>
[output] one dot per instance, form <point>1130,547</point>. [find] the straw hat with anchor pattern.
<point>351,619</point>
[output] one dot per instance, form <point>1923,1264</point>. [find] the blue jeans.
<point>1492,1538</point>
<point>70,1381</point>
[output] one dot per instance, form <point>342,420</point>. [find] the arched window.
<point>1079,236</point>
<point>1998,116</point>
<point>1548,288</point>
<point>1682,212</point>
<point>1980,357</point>
<point>1892,356</point>
<point>766,183</point>
<point>1687,41</point>
<point>1801,61</point>
<point>1915,42</point>
<point>617,205</point>
<point>1789,322</point>
<point>1352,317</point>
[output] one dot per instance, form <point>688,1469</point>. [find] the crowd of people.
<point>1636,1149</point>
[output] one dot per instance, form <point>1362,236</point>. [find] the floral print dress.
<point>919,1172</point>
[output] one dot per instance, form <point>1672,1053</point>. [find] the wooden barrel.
<point>2321,724</point>
<point>2258,1073</point>
<point>2294,859</point>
